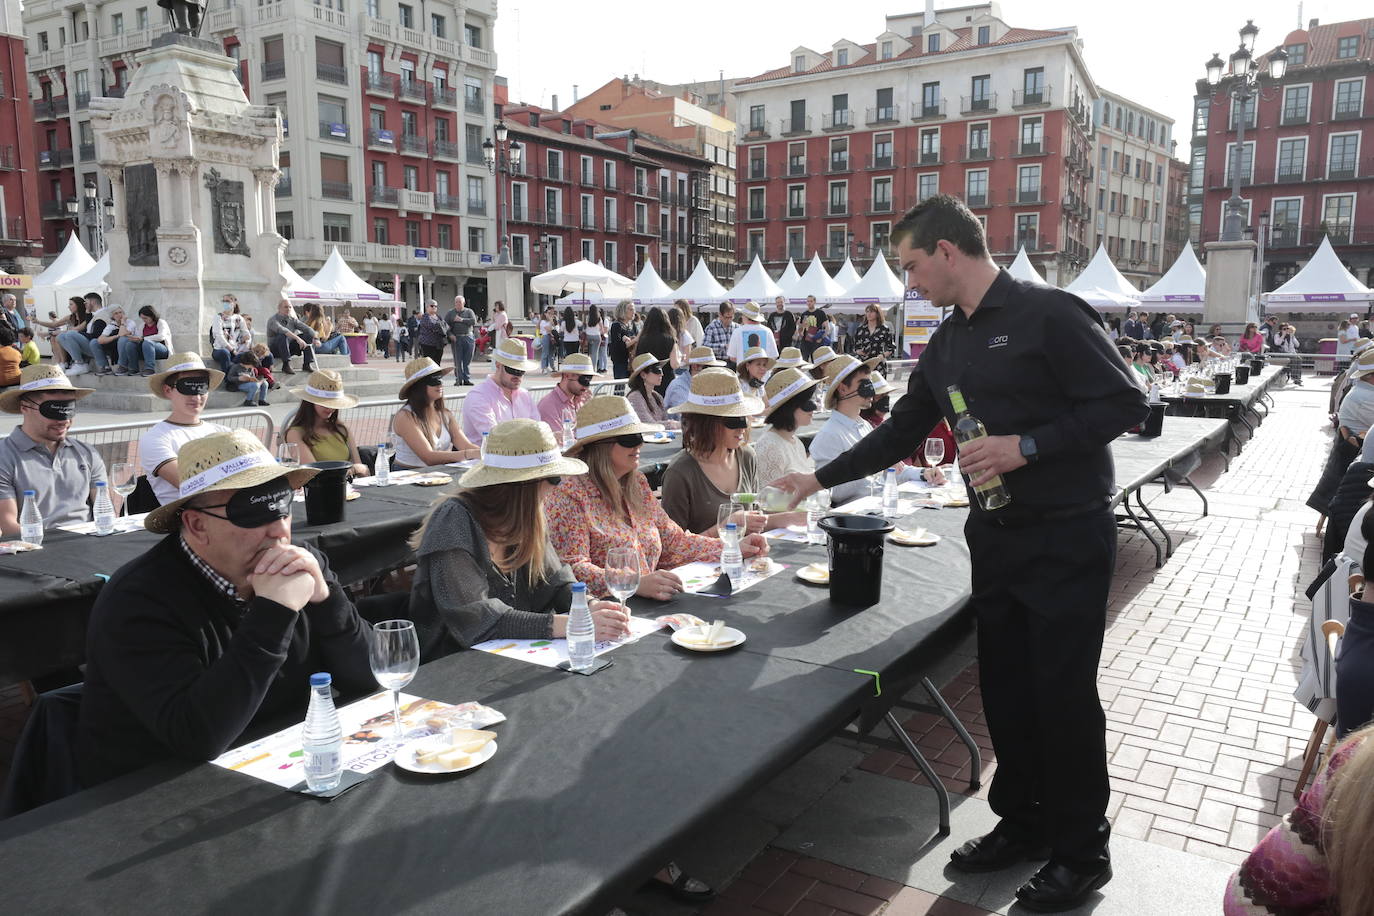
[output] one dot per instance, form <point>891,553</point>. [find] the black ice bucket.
<point>1154,423</point>
<point>1242,374</point>
<point>326,492</point>
<point>1257,364</point>
<point>856,558</point>
<point>1222,381</point>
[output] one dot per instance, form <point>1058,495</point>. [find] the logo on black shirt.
<point>998,341</point>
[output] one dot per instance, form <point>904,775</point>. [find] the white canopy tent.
<point>1102,286</point>
<point>878,285</point>
<point>815,282</point>
<point>1022,269</point>
<point>649,289</point>
<point>1322,279</point>
<point>68,275</point>
<point>294,281</point>
<point>584,278</point>
<point>336,282</point>
<point>701,288</point>
<point>847,276</point>
<point>790,278</point>
<point>756,286</point>
<point>1185,281</point>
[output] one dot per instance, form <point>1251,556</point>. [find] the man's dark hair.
<point>99,300</point>
<point>941,217</point>
<point>6,336</point>
<point>726,307</point>
<point>26,333</point>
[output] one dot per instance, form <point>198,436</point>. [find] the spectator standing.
<point>624,337</point>
<point>385,328</point>
<point>718,333</point>
<point>656,339</point>
<point>749,333</point>
<point>596,337</point>
<point>569,332</point>
<point>690,322</point>
<point>782,323</point>
<point>873,339</point>
<point>430,333</point>
<point>371,329</point>
<point>460,320</point>
<point>500,323</point>
<point>811,326</point>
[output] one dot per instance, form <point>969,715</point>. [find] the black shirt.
<point>1031,360</point>
<point>784,327</point>
<point>619,331</point>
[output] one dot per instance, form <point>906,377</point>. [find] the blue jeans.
<point>597,353</point>
<point>253,391</point>
<point>336,345</point>
<point>74,345</point>
<point>462,357</point>
<point>223,357</point>
<point>131,351</point>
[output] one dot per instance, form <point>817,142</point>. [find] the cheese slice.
<point>713,635</point>
<point>464,736</point>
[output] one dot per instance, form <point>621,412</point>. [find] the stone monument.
<point>1230,269</point>
<point>192,167</point>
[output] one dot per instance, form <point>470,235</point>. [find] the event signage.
<point>422,254</point>
<point>338,130</point>
<point>919,320</point>
<point>16,281</point>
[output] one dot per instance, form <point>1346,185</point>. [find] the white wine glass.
<point>394,654</point>
<point>289,456</point>
<point>622,573</point>
<point>935,451</point>
<point>123,478</point>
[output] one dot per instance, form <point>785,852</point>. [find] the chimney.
<point>554,106</point>
<point>1312,24</point>
<point>574,93</point>
<point>929,19</point>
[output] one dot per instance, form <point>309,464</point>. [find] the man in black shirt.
<point>1036,367</point>
<point>782,323</point>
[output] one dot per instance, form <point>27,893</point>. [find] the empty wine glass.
<point>289,456</point>
<point>394,654</point>
<point>622,573</point>
<point>935,451</point>
<point>123,478</point>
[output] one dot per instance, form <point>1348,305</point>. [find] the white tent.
<point>649,289</point>
<point>1102,274</point>
<point>815,282</point>
<point>584,278</point>
<point>1322,279</point>
<point>1023,269</point>
<point>65,277</point>
<point>701,288</point>
<point>879,285</point>
<point>1185,281</point>
<point>337,281</point>
<point>294,281</point>
<point>789,278</point>
<point>847,276</point>
<point>755,285</point>
<point>1104,300</point>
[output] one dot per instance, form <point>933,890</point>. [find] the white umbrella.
<point>584,276</point>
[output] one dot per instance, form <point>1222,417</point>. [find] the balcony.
<point>1222,180</point>
<point>792,211</point>
<point>54,158</point>
<point>9,158</point>
<point>87,152</point>
<point>331,73</point>
<point>1293,118</point>
<point>977,153</point>
<point>226,19</point>
<point>381,84</point>
<point>12,230</point>
<point>83,101</point>
<point>421,202</point>
<point>444,97</point>
<point>1348,112</point>
<point>1031,149</point>
<point>976,200</point>
<point>838,120</point>
<point>331,130</point>
<point>611,183</point>
<point>449,203</point>
<point>795,127</point>
<point>589,180</point>
<point>934,156</point>
<point>381,196</point>
<point>756,215</point>
<point>47,109</point>
<point>1288,176</point>
<point>414,145</point>
<point>1029,194</point>
<point>933,111</point>
<point>876,163</point>
<point>886,114</point>
<point>444,149</point>
<point>588,221</point>
<point>837,165</point>
<point>474,104</point>
<point>477,207</point>
<point>641,189</point>
<point>982,104</point>
<point>116,92</point>
<point>877,205</point>
<point>273,69</point>
<point>336,190</point>
<point>758,171</point>
<point>797,169</point>
<point>413,91</point>
<point>1341,170</point>
<point>1032,98</point>
<point>53,209</point>
<point>554,173</point>
<point>380,139</point>
<point>758,130</point>
<point>283,188</point>
<point>837,208</point>
<point>638,228</point>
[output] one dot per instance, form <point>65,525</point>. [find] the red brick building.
<point>20,228</point>
<point>1308,158</point>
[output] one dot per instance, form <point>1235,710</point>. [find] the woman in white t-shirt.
<point>595,329</point>
<point>500,324</point>
<point>570,330</point>
<point>690,323</point>
<point>370,329</point>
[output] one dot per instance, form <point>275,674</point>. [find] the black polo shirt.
<point>1030,360</point>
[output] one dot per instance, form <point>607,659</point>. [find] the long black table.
<point>1234,406</point>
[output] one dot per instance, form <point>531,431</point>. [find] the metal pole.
<point>1232,230</point>
<point>502,157</point>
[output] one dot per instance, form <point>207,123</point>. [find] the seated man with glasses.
<point>38,455</point>
<point>499,397</point>
<point>215,631</point>
<point>574,390</point>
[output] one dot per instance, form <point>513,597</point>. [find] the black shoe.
<point>995,851</point>
<point>287,370</point>
<point>1057,887</point>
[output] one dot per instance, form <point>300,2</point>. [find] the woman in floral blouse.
<point>612,506</point>
<point>874,339</point>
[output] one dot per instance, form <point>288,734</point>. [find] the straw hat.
<point>234,459</point>
<point>1362,365</point>
<point>419,368</point>
<point>836,371</point>
<point>1196,386</point>
<point>606,417</point>
<point>1185,340</point>
<point>881,386</point>
<point>511,354</point>
<point>703,356</point>
<point>790,358</point>
<point>178,363</point>
<point>821,356</point>
<point>754,353</point>
<point>578,364</point>
<point>750,310</point>
<point>644,361</point>
<point>716,392</point>
<point>326,388</point>
<point>786,384</point>
<point>40,378</point>
<point>520,450</point>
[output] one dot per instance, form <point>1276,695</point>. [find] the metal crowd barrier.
<point>119,441</point>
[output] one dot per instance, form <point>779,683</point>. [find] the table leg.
<point>1168,539</point>
<point>941,793</point>
<point>1138,525</point>
<point>1200,495</point>
<point>976,758</point>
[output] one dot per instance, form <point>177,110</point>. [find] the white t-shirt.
<point>573,336</point>
<point>160,444</point>
<point>745,336</point>
<point>370,325</point>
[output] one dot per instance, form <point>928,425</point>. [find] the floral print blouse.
<point>584,527</point>
<point>868,344</point>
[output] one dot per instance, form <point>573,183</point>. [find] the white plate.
<point>816,574</point>
<point>728,639</point>
<point>657,439</point>
<point>405,757</point>
<point>910,538</point>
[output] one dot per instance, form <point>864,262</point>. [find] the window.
<point>334,181</point>
<point>609,175</point>
<point>443,236</point>
<point>436,25</point>
<point>796,200</point>
<point>1033,86</point>
<point>839,110</point>
<point>799,63</point>
<point>842,57</point>
<point>1292,159</point>
<point>798,112</point>
<point>980,92</point>
<point>408,74</point>
<point>1247,161</point>
<point>286,227</point>
<point>588,170</point>
<point>1027,230</point>
<point>839,154</point>
<point>519,249</point>
<point>378,174</point>
<point>441,129</point>
<point>411,176</point>
<point>1200,110</point>
<point>885,50</point>
<point>441,184</point>
<point>1349,98</point>
<point>338,227</point>
<point>839,237</point>
<point>413,233</point>
<point>1341,155</point>
<point>1297,55</point>
<point>882,151</point>
<point>1295,101</point>
<point>756,203</point>
<point>927,185</point>
<point>796,243</point>
<point>755,245</point>
<point>333,118</point>
<point>1249,108</point>
<point>1028,184</point>
<point>930,146</point>
<point>373,8</point>
<point>1032,135</point>
<point>409,124</point>
<point>1287,218</point>
<point>406,14</point>
<point>978,141</point>
<point>932,43</point>
<point>976,187</point>
<point>117,23</point>
<point>379,230</point>
<point>839,198</point>
<point>1347,47</point>
<point>1102,158</point>
<point>755,118</point>
<point>477,192</point>
<point>758,162</point>
<point>588,249</point>
<point>984,34</point>
<point>882,101</point>
<point>882,195</point>
<point>608,254</point>
<point>553,205</point>
<point>1337,212</point>
<point>43,38</point>
<point>608,208</point>
<point>472,95</point>
<point>472,35</point>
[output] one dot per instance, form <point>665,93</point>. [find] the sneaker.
<point>104,370</point>
<point>264,404</point>
<point>248,404</point>
<point>78,369</point>
<point>149,371</point>
<point>120,370</point>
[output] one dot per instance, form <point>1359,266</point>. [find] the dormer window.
<point>885,50</point>
<point>842,57</point>
<point>984,34</point>
<point>1297,55</point>
<point>799,64</point>
<point>932,44</point>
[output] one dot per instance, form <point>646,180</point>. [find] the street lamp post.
<point>98,210</point>
<point>502,158</point>
<point>1244,87</point>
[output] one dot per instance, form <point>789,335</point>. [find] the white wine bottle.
<point>992,494</point>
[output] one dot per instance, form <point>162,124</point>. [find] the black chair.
<point>143,499</point>
<point>44,765</point>
<point>387,606</point>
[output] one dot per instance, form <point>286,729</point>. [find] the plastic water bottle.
<point>383,469</point>
<point>814,514</point>
<point>891,506</point>
<point>31,520</point>
<point>322,737</point>
<point>731,559</point>
<point>482,446</point>
<point>569,433</point>
<point>104,509</point>
<point>581,630</point>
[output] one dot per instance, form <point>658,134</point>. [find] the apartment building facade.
<point>19,211</point>
<point>1131,160</point>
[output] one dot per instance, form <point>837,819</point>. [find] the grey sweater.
<point>460,598</point>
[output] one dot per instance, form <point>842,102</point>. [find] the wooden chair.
<point>1333,630</point>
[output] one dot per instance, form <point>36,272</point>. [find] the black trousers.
<point>1040,596</point>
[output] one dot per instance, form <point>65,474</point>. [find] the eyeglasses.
<point>433,381</point>
<point>735,422</point>
<point>653,370</point>
<point>553,481</point>
<point>585,381</point>
<point>629,440</point>
<point>254,507</point>
<point>513,373</point>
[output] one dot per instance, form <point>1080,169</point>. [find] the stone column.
<point>266,187</point>
<point>1230,269</point>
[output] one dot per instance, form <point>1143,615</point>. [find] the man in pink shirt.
<point>574,389</point>
<point>499,397</point>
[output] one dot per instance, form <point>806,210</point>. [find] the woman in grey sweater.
<point>486,569</point>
